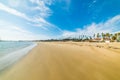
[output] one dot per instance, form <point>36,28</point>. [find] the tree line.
<point>99,36</point>
<point>108,36</point>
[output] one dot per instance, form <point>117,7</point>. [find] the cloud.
<point>14,3</point>
<point>18,29</point>
<point>44,11</point>
<point>9,31</point>
<point>39,6</point>
<point>112,25</point>
<point>66,4</point>
<point>92,3</point>
<point>13,32</point>
<point>36,20</point>
<point>45,25</point>
<point>13,11</point>
<point>42,7</point>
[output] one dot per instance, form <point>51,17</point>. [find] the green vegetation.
<point>108,36</point>
<point>99,37</point>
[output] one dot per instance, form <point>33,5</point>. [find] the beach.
<point>68,61</point>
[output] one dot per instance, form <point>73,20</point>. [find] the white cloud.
<point>41,6</point>
<point>20,29</point>
<point>66,3</point>
<point>112,25</point>
<point>12,32</point>
<point>13,11</point>
<point>44,10</point>
<point>14,3</point>
<point>43,24</point>
<point>37,20</point>
<point>92,3</point>
<point>16,35</point>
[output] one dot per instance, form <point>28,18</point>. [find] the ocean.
<point>12,51</point>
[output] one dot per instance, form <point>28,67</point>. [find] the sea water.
<point>10,52</point>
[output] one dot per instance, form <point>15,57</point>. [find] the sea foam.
<point>12,57</point>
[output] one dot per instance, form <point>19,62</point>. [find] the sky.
<point>46,19</point>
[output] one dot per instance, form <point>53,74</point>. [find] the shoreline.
<point>67,61</point>
<point>12,58</point>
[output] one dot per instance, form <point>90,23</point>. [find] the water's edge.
<point>12,58</point>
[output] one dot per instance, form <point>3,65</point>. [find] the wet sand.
<point>68,61</point>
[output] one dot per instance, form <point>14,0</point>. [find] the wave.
<point>11,58</point>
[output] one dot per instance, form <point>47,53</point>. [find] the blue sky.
<point>45,19</point>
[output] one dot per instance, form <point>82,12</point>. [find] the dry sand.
<point>68,61</point>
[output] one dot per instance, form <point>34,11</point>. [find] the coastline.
<point>67,61</point>
<point>8,60</point>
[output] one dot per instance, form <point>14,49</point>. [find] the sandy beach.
<point>68,61</point>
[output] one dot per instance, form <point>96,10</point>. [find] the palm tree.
<point>103,35</point>
<point>119,33</point>
<point>118,36</point>
<point>98,35</point>
<point>111,36</point>
<point>114,38</point>
<point>94,36</point>
<point>107,35</point>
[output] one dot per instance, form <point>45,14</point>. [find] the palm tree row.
<point>96,37</point>
<point>108,36</point>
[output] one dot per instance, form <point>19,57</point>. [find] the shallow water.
<point>8,47</point>
<point>10,52</point>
